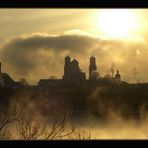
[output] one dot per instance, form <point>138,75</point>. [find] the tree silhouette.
<point>7,116</point>
<point>80,135</point>
<point>33,126</point>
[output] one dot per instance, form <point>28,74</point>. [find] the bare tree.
<point>59,129</point>
<point>32,125</point>
<point>5,134</point>
<point>30,128</point>
<point>5,119</point>
<point>7,116</point>
<point>80,135</point>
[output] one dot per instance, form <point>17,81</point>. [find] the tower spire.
<point>92,66</point>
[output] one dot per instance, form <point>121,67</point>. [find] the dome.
<point>67,57</point>
<point>92,57</point>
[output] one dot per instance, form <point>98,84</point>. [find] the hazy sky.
<point>21,21</point>
<point>34,42</point>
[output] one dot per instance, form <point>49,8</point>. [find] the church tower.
<point>118,77</point>
<point>92,66</point>
<point>67,67</point>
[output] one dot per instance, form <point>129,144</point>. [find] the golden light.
<point>116,23</point>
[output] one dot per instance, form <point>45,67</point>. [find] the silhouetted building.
<point>72,70</point>
<point>7,81</point>
<point>118,77</point>
<point>74,77</point>
<point>92,68</point>
<point>94,75</point>
<point>67,68</point>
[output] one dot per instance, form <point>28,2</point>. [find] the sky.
<point>34,42</point>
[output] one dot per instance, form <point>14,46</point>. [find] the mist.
<point>33,56</point>
<point>104,113</point>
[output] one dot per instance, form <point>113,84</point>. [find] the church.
<point>72,70</point>
<point>73,75</point>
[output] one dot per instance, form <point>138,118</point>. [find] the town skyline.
<point>72,73</point>
<point>34,42</point>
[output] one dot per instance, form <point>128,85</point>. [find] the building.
<point>74,77</point>
<point>118,76</point>
<point>72,70</point>
<point>7,81</point>
<point>92,69</point>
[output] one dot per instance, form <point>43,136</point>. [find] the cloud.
<point>41,55</point>
<point>38,53</point>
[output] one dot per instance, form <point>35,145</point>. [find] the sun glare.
<point>115,23</point>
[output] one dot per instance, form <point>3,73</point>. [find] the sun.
<point>116,23</point>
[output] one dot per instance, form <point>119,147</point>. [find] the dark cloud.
<point>39,53</point>
<point>75,43</point>
<point>40,56</point>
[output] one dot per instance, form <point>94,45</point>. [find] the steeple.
<point>67,60</point>
<point>67,67</point>
<point>92,66</point>
<point>118,76</point>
